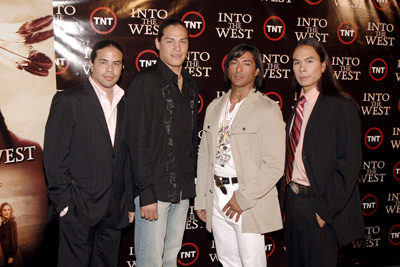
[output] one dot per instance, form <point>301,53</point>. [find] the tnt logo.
<point>396,171</point>
<point>347,32</point>
<point>276,97</point>
<point>394,235</point>
<point>195,23</point>
<point>269,246</point>
<point>313,2</point>
<point>188,255</point>
<point>369,205</point>
<point>201,104</point>
<point>145,59</point>
<point>378,69</point>
<point>373,138</point>
<point>274,28</point>
<point>223,62</point>
<point>62,65</point>
<point>382,4</point>
<point>103,20</point>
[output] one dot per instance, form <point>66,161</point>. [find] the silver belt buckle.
<point>294,187</point>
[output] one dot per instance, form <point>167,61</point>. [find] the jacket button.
<point>210,191</point>
<point>244,128</point>
<point>208,127</point>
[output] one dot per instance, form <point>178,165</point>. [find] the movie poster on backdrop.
<point>27,85</point>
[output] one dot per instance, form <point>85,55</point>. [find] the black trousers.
<point>84,246</point>
<point>307,244</point>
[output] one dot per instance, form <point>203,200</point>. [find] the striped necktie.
<point>294,139</point>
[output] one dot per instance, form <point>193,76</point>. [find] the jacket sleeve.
<point>340,187</point>
<point>139,119</point>
<point>130,187</point>
<point>57,140</point>
<point>272,148</point>
<point>203,163</point>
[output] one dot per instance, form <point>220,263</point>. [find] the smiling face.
<point>6,212</point>
<point>242,71</point>
<point>307,67</point>
<point>106,68</point>
<point>173,47</point>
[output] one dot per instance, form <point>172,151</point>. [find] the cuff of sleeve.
<point>243,202</point>
<point>147,197</point>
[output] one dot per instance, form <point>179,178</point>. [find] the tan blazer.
<point>258,148</point>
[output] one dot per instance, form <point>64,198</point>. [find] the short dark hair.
<point>239,51</point>
<point>102,44</point>
<point>170,22</point>
<point>327,85</point>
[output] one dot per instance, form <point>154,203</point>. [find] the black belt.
<point>300,189</point>
<point>226,180</point>
<point>221,181</point>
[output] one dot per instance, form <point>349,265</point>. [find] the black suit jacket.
<point>332,159</point>
<point>84,171</point>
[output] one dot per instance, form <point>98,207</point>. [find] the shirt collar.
<point>118,92</point>
<point>167,73</point>
<point>311,96</point>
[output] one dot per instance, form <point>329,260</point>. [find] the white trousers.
<point>234,248</point>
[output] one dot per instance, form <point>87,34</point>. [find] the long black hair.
<point>327,85</point>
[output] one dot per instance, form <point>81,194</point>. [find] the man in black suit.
<point>86,163</point>
<point>323,160</point>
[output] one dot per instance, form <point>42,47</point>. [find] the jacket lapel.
<point>245,108</point>
<point>94,103</point>
<point>120,119</point>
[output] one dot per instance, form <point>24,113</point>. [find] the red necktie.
<point>294,139</point>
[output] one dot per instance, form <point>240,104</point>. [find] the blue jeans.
<point>157,243</point>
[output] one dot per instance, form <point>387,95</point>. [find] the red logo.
<point>201,102</point>
<point>378,5</point>
<point>378,69</point>
<point>193,24</point>
<point>148,59</point>
<point>347,32</point>
<point>280,102</point>
<point>223,63</point>
<point>314,3</point>
<point>188,255</point>
<point>269,246</point>
<point>62,65</point>
<point>369,205</point>
<point>373,140</point>
<point>393,236</point>
<point>274,28</point>
<point>396,171</point>
<point>101,21</point>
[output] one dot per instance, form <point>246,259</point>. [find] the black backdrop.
<point>362,38</point>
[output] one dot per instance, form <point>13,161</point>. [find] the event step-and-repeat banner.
<point>361,36</point>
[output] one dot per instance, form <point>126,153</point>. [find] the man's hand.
<point>201,214</point>
<point>321,222</point>
<point>131,216</point>
<point>232,208</point>
<point>149,212</point>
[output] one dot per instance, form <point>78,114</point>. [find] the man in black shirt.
<point>162,105</point>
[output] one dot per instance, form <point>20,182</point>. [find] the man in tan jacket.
<point>241,158</point>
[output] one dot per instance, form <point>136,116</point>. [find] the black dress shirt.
<point>163,134</point>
